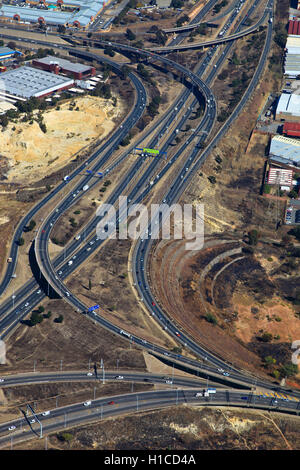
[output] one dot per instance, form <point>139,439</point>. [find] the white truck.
<point>125,333</point>
<point>205,393</point>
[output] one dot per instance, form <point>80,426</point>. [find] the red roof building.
<point>294,28</point>
<point>291,129</point>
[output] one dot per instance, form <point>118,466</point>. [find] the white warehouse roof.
<point>284,147</point>
<point>88,9</point>
<point>28,82</point>
<point>289,104</point>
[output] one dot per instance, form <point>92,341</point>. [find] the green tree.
<point>59,319</point>
<point>293,194</point>
<point>130,35</point>
<point>296,232</point>
<point>253,237</point>
<point>269,361</point>
<point>266,337</point>
<point>35,318</point>
<point>4,120</point>
<point>211,318</point>
<point>288,370</point>
<point>21,241</point>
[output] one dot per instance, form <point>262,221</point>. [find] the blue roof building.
<point>7,53</point>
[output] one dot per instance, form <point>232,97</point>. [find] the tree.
<point>288,370</point>
<point>176,3</point>
<point>4,120</point>
<point>296,232</point>
<point>41,309</point>
<point>269,361</point>
<point>31,225</point>
<point>211,318</point>
<point>161,37</point>
<point>11,45</point>
<point>130,35</point>
<point>181,20</point>
<point>109,51</point>
<point>253,236</point>
<point>35,318</point>
<point>21,241</point>
<point>125,70</point>
<point>293,194</point>
<point>59,319</point>
<point>212,179</point>
<point>266,337</point>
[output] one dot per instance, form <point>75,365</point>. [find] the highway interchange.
<point>55,271</point>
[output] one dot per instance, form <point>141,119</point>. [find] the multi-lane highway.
<point>141,262</point>
<point>36,424</point>
<point>211,42</point>
<point>55,272</point>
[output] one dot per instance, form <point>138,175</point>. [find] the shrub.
<point>211,318</point>
<point>266,337</point>
<point>59,319</point>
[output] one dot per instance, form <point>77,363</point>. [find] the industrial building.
<point>26,82</point>
<point>292,54</point>
<point>280,176</point>
<point>76,13</point>
<point>285,150</point>
<point>57,65</point>
<point>288,107</point>
<point>294,28</point>
<point>7,53</point>
<point>291,129</point>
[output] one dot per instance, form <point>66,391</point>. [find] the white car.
<point>119,377</point>
<point>27,304</point>
<point>46,413</point>
<point>11,428</point>
<point>32,420</point>
<point>89,373</point>
<point>87,403</point>
<point>169,382</point>
<point>1,380</point>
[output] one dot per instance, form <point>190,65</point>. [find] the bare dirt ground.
<point>32,154</point>
<point>181,428</point>
<point>175,278</point>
